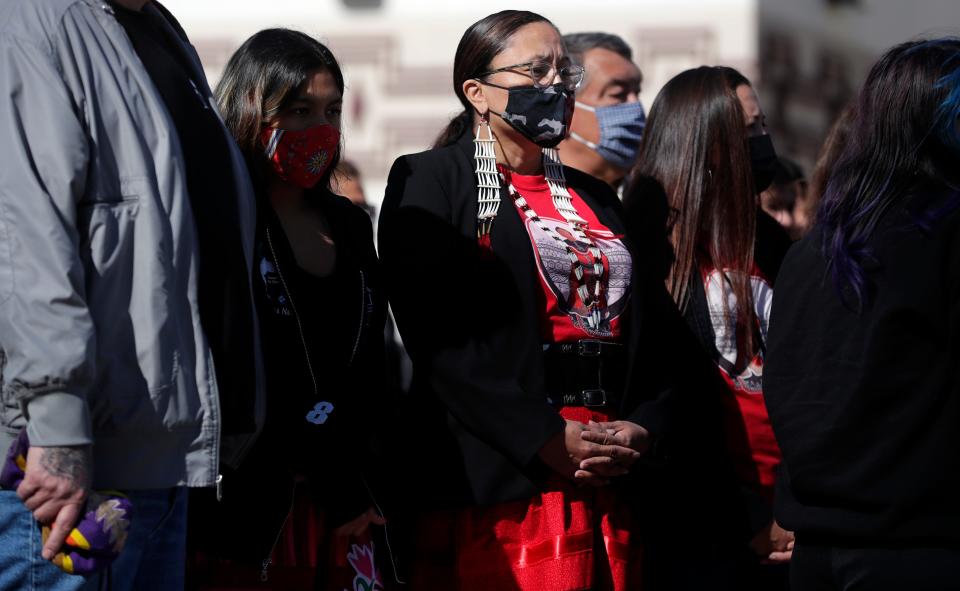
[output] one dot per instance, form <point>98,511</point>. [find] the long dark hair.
<point>830,152</point>
<point>261,79</point>
<point>903,135</point>
<point>695,146</point>
<point>482,42</point>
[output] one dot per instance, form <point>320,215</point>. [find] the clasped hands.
<point>592,453</point>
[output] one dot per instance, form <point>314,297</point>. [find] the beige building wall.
<point>398,59</point>
<point>814,55</point>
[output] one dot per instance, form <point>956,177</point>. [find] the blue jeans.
<point>152,560</point>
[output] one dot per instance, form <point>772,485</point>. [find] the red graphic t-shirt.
<point>749,432</point>
<point>563,315</point>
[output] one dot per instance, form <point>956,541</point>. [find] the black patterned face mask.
<point>542,115</point>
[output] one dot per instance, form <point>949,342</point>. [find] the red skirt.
<point>307,556</point>
<point>565,538</point>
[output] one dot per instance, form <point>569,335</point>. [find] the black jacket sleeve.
<point>456,307</point>
<point>670,364</point>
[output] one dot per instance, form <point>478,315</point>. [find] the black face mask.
<point>763,161</point>
<point>540,115</point>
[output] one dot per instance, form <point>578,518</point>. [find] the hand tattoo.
<point>70,463</point>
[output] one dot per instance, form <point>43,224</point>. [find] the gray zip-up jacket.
<point>100,336</point>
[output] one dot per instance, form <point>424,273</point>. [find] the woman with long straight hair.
<point>516,294</point>
<point>297,512</point>
<point>863,373</point>
<point>706,146</point>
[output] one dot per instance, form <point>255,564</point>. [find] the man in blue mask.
<point>608,119</point>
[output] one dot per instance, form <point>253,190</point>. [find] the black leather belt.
<point>589,398</point>
<point>585,373</point>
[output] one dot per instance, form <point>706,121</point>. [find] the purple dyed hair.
<point>905,135</point>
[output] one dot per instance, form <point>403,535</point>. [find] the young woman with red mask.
<point>297,511</point>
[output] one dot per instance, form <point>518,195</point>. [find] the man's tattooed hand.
<point>54,489</point>
<point>67,462</point>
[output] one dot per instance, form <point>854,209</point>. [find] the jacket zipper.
<point>386,533</point>
<point>363,313</point>
<point>265,565</point>
<point>296,315</point>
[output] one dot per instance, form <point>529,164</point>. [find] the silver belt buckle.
<point>589,397</point>
<point>588,348</point>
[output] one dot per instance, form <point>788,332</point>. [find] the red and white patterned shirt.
<point>563,315</point>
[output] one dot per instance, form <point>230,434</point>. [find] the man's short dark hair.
<point>580,43</point>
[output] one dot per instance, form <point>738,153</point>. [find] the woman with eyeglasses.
<point>538,383</point>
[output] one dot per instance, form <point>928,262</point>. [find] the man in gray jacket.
<point>126,235</point>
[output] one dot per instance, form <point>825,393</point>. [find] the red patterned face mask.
<point>301,157</point>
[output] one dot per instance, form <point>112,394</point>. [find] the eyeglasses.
<point>544,73</point>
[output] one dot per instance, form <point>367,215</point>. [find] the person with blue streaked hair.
<point>863,359</point>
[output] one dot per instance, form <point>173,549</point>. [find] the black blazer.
<point>478,405</point>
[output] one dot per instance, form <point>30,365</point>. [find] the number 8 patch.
<point>320,413</point>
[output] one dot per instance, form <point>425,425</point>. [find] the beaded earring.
<point>488,179</point>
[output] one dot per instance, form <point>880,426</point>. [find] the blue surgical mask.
<point>621,130</point>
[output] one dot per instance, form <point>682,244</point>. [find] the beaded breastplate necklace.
<point>491,177</point>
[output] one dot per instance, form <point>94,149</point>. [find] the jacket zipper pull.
<point>264,576</point>
<point>219,482</point>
